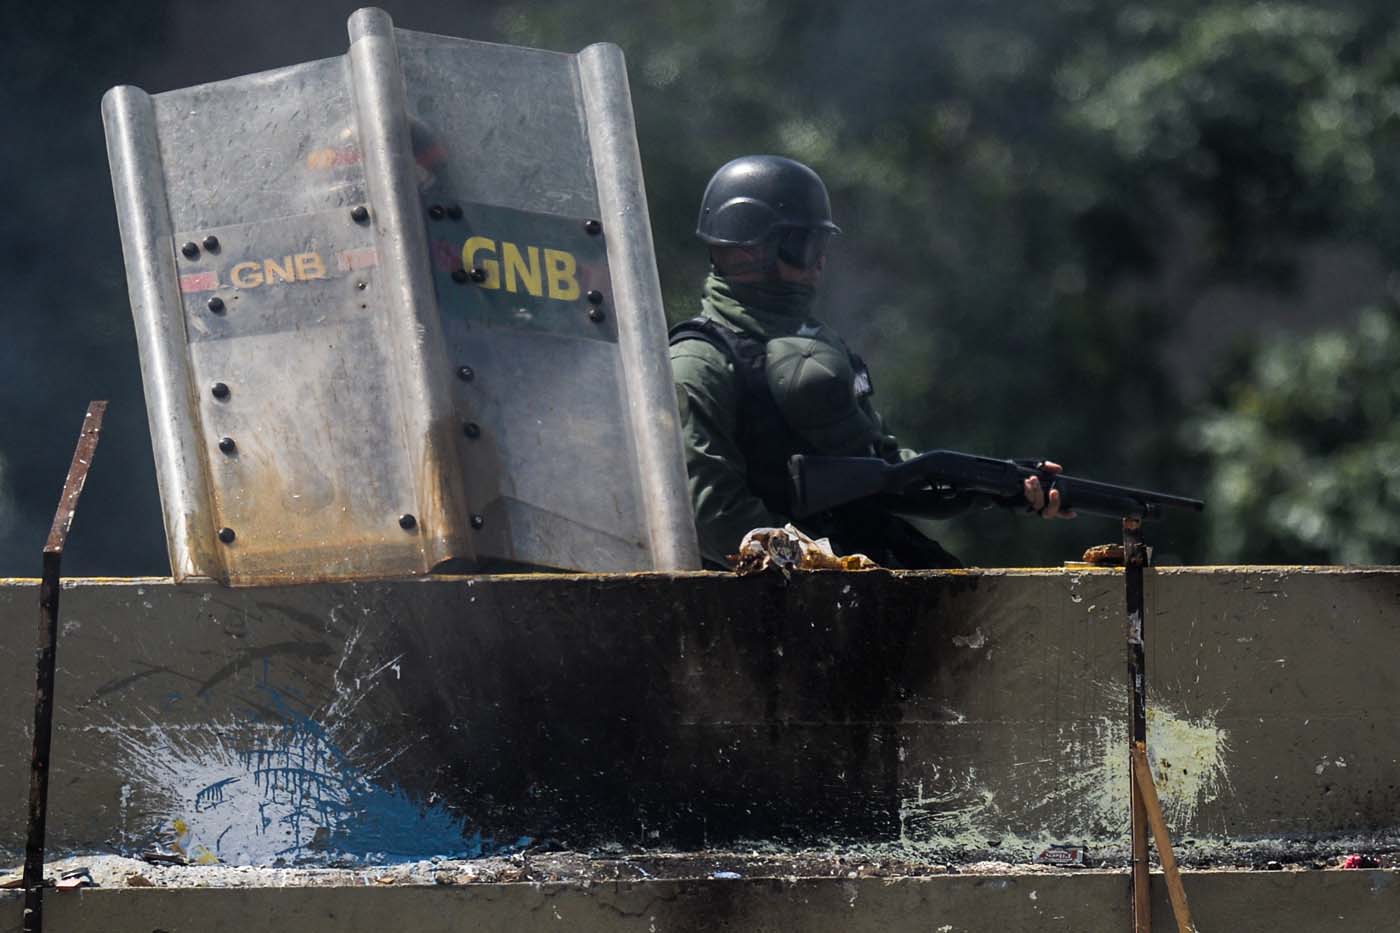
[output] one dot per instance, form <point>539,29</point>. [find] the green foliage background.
<point>1034,194</point>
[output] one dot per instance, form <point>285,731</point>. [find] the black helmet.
<point>755,199</point>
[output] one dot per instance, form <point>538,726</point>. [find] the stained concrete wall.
<point>1263,902</point>
<point>952,714</point>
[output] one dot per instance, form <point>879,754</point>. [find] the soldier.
<point>758,379</point>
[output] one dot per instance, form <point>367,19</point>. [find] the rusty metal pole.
<point>46,662</point>
<point>1134,560</point>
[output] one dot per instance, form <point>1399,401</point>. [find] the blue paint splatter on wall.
<point>279,787</point>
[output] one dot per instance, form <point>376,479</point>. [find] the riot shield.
<point>399,308</point>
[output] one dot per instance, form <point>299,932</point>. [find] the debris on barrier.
<point>786,549</point>
<point>1062,856</point>
<point>1107,555</point>
<point>75,878</point>
<point>164,857</point>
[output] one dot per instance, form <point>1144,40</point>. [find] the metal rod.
<point>1134,560</point>
<point>45,664</point>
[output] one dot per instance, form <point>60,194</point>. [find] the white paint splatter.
<point>1188,759</point>
<point>956,809</point>
<point>952,716</point>
<point>977,639</point>
<point>298,784</point>
<point>1328,760</point>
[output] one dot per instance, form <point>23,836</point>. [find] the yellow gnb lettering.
<point>310,266</point>
<point>246,275</point>
<point>492,268</point>
<point>556,276</point>
<point>563,274</point>
<point>278,273</point>
<point>299,268</point>
<point>515,264</point>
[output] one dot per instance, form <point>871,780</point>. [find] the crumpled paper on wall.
<point>786,549</point>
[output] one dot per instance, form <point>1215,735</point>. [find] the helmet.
<point>764,198</point>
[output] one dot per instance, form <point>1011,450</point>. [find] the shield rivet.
<point>226,535</point>
<point>466,373</point>
<point>227,445</point>
<point>359,213</point>
<point>454,211</point>
<point>436,212</point>
<point>478,522</point>
<point>471,429</point>
<point>191,250</point>
<point>459,275</point>
<point>592,227</point>
<point>407,522</point>
<point>595,297</point>
<point>596,315</point>
<point>477,275</point>
<point>211,243</point>
<point>216,304</point>
<point>219,390</point>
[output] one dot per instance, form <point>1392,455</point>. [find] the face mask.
<point>783,297</point>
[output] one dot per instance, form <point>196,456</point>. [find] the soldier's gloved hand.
<point>1035,495</point>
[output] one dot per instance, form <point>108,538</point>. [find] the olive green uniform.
<point>708,392</point>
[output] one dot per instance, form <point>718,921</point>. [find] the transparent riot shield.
<point>400,308</point>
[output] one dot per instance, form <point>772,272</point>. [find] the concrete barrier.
<point>1240,902</point>
<point>954,714</point>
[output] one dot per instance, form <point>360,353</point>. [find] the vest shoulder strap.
<point>763,433</point>
<point>748,354</point>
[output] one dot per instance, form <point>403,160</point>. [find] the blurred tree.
<point>1304,448</point>
<point>1265,127</point>
<point>1267,120</point>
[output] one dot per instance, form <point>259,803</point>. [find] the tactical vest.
<point>767,442</point>
<point>763,432</point>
